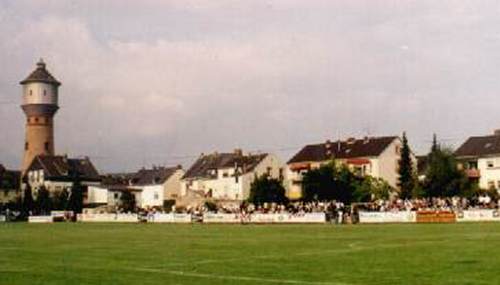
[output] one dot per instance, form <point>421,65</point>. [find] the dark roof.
<point>41,74</point>
<point>203,166</point>
<point>478,146</point>
<point>156,175</point>
<point>56,166</point>
<point>351,148</point>
<point>117,179</point>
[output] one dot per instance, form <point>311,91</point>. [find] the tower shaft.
<point>39,132</point>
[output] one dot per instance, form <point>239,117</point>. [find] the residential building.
<point>151,187</point>
<point>374,156</point>
<point>227,177</point>
<point>57,173</point>
<point>479,156</point>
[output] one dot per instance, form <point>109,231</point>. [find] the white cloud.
<point>163,78</point>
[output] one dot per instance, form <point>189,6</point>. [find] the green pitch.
<point>250,254</point>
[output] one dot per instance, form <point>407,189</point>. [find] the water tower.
<point>40,105</point>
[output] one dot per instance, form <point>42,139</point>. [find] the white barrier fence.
<point>214,218</point>
<point>40,219</point>
<point>387,217</point>
<point>108,218</point>
<point>479,215</point>
<point>309,218</point>
<point>169,218</point>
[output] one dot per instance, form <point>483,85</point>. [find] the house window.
<point>26,146</point>
<point>36,119</point>
<point>472,164</point>
<point>225,174</point>
<point>490,164</point>
<point>46,145</point>
<point>44,92</point>
<point>269,170</point>
<point>115,196</point>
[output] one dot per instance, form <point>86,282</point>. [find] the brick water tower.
<point>39,105</point>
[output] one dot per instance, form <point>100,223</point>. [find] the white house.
<point>57,173</point>
<point>479,156</point>
<point>226,177</point>
<point>157,185</point>
<point>374,156</point>
<point>151,187</point>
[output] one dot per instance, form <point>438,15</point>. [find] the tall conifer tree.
<point>406,181</point>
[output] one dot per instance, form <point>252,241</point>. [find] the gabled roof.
<point>479,146</point>
<point>117,179</point>
<point>154,176</point>
<point>203,166</point>
<point>157,175</point>
<point>41,74</point>
<point>352,148</point>
<point>56,166</point>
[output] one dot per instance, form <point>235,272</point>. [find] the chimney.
<point>497,132</point>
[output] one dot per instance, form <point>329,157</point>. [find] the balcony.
<point>473,173</point>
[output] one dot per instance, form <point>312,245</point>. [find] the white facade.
<point>97,195</point>
<point>151,196</point>
<point>227,186</point>
<point>146,196</point>
<point>40,93</point>
<point>484,170</point>
<point>36,179</point>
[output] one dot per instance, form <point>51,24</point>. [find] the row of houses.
<point>226,177</point>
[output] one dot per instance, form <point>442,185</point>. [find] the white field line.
<point>237,278</point>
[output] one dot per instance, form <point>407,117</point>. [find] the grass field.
<point>250,254</point>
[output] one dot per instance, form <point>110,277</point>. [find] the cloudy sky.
<point>159,82</point>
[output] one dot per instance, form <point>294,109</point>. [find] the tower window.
<point>36,119</point>
<point>44,92</point>
<point>26,146</point>
<point>31,92</point>
<point>46,146</point>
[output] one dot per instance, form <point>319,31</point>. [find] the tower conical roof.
<point>41,74</point>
